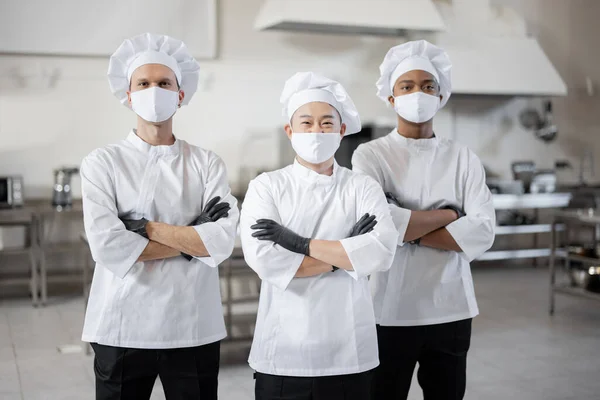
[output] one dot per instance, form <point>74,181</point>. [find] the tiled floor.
<point>518,351</point>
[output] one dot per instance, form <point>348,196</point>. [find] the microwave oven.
<point>11,191</point>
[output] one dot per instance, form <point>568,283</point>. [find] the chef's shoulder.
<point>370,149</point>
<point>272,181</point>
<point>461,150</point>
<point>103,158</point>
<point>202,157</point>
<point>360,182</point>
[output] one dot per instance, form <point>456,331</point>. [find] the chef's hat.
<point>307,87</point>
<point>410,56</point>
<point>149,48</point>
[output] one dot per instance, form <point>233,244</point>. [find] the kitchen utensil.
<point>500,186</point>
<point>587,278</point>
<point>542,124</point>
<point>547,131</point>
<point>523,171</point>
<point>62,196</point>
<point>543,182</point>
<point>582,250</point>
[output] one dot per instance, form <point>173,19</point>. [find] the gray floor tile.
<point>10,395</point>
<point>517,350</point>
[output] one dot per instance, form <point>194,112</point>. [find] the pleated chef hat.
<point>306,87</point>
<point>149,48</point>
<point>410,56</point>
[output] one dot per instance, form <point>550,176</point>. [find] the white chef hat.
<point>410,56</point>
<point>149,48</point>
<point>307,87</point>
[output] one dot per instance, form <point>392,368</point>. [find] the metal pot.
<point>588,279</point>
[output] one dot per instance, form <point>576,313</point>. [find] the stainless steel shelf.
<point>514,254</point>
<point>570,219</point>
<point>525,201</point>
<point>576,291</point>
<point>575,257</point>
<point>524,229</point>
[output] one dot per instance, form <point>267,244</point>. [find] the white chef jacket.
<point>424,285</point>
<point>167,303</point>
<point>321,325</point>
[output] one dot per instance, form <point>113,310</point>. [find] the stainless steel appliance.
<point>543,182</point>
<point>523,171</point>
<point>62,196</point>
<point>11,191</point>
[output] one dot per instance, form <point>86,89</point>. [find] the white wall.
<point>42,128</point>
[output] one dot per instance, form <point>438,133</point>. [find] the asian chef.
<point>314,231</point>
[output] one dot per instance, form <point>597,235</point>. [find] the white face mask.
<point>417,107</point>
<point>316,148</point>
<point>155,104</point>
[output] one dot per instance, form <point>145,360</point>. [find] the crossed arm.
<point>430,227</point>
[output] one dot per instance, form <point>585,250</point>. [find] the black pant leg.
<point>123,373</point>
<point>399,349</point>
<point>275,387</point>
<point>191,372</point>
<point>344,387</point>
<point>443,365</point>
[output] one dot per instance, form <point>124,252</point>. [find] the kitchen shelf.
<point>576,291</point>
<point>524,229</point>
<point>525,201</point>
<point>514,254</point>
<point>575,257</point>
<point>570,219</point>
<point>533,202</point>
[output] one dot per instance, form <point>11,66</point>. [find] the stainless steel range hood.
<point>361,17</point>
<point>501,66</point>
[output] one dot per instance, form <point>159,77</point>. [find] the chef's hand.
<point>364,225</point>
<point>213,211</point>
<point>391,199</point>
<point>267,229</point>
<point>136,225</point>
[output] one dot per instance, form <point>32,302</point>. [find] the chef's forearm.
<point>440,239</point>
<point>157,251</point>
<point>312,267</point>
<point>424,222</point>
<point>330,252</point>
<point>183,238</point>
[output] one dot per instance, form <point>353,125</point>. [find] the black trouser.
<point>129,374</point>
<point>339,387</point>
<point>440,350</point>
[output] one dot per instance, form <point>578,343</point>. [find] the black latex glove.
<point>136,225</point>
<point>364,225</point>
<point>213,211</point>
<point>391,199</point>
<point>271,230</point>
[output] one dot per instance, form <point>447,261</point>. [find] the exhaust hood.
<point>490,49</point>
<point>501,66</point>
<point>365,17</point>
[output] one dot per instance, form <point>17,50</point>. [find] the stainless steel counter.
<point>532,201</point>
<point>41,221</point>
<point>571,220</point>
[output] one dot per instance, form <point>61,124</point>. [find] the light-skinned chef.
<point>443,210</point>
<point>314,231</point>
<point>159,218</point>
